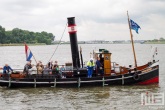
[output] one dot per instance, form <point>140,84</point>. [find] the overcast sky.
<point>95,19</point>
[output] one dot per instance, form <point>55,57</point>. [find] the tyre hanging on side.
<point>136,76</point>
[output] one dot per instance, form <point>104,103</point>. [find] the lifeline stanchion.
<point>9,82</point>
<point>103,81</point>
<point>55,82</point>
<point>34,82</point>
<point>122,79</point>
<point>79,82</point>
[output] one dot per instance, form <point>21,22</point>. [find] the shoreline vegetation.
<point>18,36</point>
<point>21,44</point>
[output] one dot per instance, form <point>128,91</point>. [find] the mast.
<point>73,42</point>
<point>132,41</point>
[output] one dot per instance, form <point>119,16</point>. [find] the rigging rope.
<point>58,43</point>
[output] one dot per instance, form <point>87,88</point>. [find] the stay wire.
<point>58,43</point>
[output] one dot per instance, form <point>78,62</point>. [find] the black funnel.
<point>73,42</point>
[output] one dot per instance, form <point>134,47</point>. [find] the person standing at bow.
<point>90,67</point>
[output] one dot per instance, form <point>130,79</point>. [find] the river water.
<point>97,98</point>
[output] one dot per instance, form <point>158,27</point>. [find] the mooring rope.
<point>58,43</point>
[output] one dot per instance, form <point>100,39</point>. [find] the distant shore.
<point>154,43</point>
<point>21,44</point>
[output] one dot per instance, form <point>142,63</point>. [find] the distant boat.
<point>76,73</point>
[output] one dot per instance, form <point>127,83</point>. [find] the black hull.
<point>126,79</point>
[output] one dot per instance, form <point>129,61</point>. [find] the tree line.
<point>20,36</point>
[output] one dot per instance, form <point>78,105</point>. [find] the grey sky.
<point>95,19</point>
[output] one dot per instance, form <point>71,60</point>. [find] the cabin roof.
<point>102,51</point>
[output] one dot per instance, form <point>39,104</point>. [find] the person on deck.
<point>30,65</point>
<point>40,64</point>
<point>46,70</point>
<point>50,64</point>
<point>40,68</point>
<point>55,69</point>
<point>101,60</point>
<point>7,69</point>
<point>27,67</point>
<point>32,70</point>
<point>99,66</point>
<point>62,72</point>
<point>90,67</point>
<point>56,64</point>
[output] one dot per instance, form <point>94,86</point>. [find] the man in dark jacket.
<point>27,67</point>
<point>7,69</point>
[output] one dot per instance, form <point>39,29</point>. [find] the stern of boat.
<point>150,75</point>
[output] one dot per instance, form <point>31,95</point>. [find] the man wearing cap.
<point>90,67</point>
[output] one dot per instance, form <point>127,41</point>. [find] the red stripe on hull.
<point>150,81</point>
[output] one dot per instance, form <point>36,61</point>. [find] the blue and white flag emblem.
<point>134,26</point>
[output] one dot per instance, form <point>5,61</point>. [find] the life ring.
<point>136,76</point>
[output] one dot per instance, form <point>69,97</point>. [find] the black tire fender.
<point>136,76</point>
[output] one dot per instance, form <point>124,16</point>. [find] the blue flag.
<point>134,26</point>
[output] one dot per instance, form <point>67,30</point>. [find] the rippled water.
<point>98,98</point>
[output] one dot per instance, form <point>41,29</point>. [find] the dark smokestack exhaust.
<point>73,42</point>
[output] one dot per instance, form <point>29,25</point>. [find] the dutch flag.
<point>28,53</point>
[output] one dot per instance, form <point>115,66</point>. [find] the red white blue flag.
<point>28,53</point>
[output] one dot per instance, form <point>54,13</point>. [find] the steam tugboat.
<point>76,74</point>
